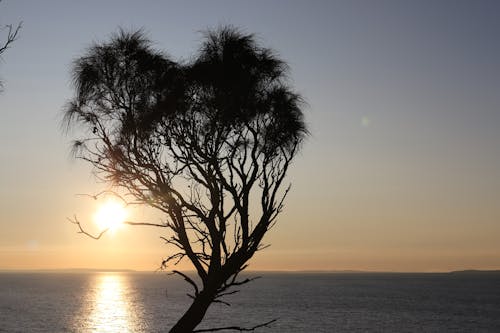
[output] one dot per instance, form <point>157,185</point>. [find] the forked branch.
<point>82,231</point>
<point>12,35</point>
<point>188,280</point>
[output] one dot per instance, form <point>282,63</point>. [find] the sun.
<point>110,215</point>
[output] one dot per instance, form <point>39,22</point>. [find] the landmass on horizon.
<point>122,270</point>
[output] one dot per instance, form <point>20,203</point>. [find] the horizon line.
<point>311,271</point>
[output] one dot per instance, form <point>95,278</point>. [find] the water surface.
<point>151,302</point>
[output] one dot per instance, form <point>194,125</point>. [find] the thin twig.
<point>146,224</point>
<point>82,231</point>
<point>236,328</point>
<point>189,280</point>
<point>11,36</point>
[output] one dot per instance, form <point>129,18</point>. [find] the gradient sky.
<point>401,172</point>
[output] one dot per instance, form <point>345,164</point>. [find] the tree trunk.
<point>194,314</point>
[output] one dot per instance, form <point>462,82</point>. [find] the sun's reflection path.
<point>112,309</point>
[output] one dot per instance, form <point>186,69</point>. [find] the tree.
<point>12,34</point>
<point>202,142</point>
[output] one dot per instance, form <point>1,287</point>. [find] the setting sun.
<point>110,215</point>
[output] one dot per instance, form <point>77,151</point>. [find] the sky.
<point>401,171</point>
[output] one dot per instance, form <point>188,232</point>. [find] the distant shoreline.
<point>340,272</point>
<point>70,270</point>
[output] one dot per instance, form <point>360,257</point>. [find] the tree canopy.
<point>208,142</point>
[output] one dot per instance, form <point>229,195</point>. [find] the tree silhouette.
<point>202,142</point>
<point>12,34</point>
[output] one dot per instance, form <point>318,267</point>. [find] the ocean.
<point>301,302</point>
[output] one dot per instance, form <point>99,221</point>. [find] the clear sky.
<point>401,172</point>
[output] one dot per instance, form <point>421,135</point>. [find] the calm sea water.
<point>151,302</point>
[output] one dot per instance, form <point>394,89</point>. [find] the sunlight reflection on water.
<point>112,306</point>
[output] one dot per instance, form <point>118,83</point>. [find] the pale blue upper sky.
<point>402,170</point>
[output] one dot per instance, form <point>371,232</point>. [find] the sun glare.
<point>110,215</point>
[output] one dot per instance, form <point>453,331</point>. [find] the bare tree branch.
<point>146,224</point>
<point>82,231</point>
<point>236,328</point>
<point>189,280</point>
<point>12,35</point>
